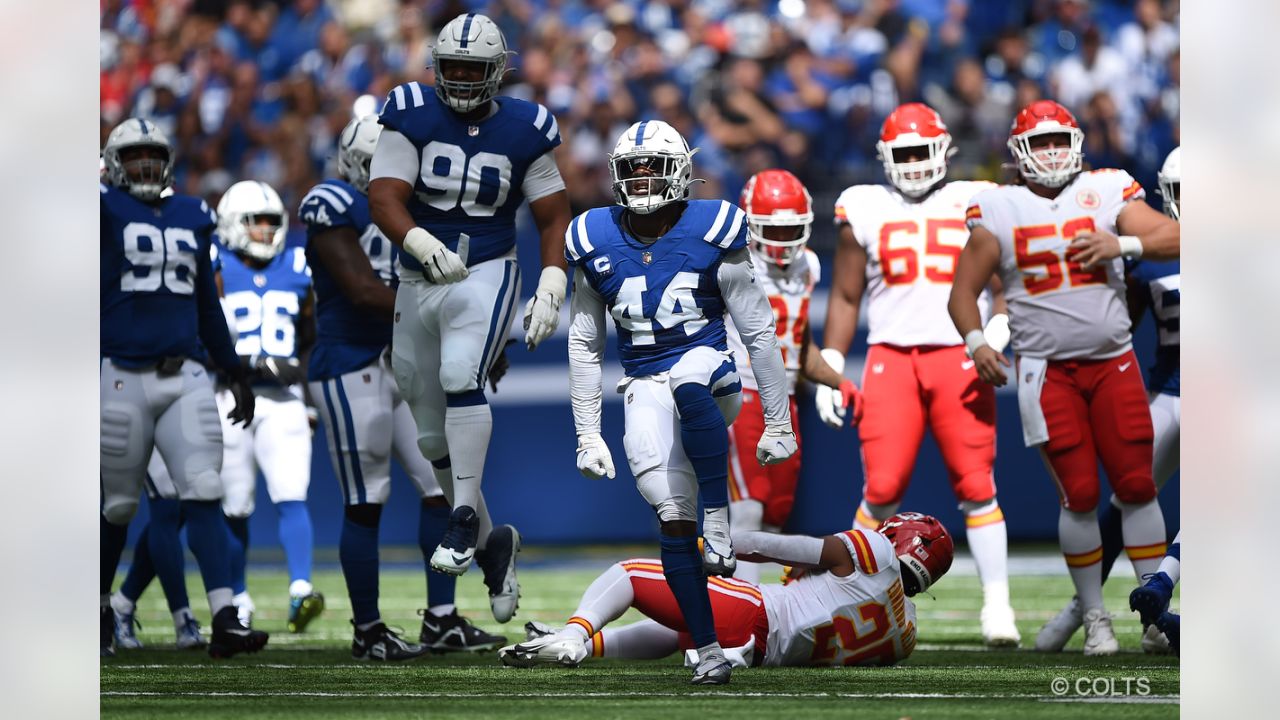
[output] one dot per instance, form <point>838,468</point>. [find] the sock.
<point>180,617</point>
<point>869,517</point>
<point>644,640</point>
<point>1143,526</point>
<point>444,477</point>
<point>358,555</point>
<point>164,551</point>
<point>295,537</point>
<point>364,626</point>
<point>989,544</point>
<point>468,423</point>
<point>1171,565</point>
<point>112,539</point>
<point>682,566</point>
<point>1109,518</point>
<point>706,442</point>
<point>605,600</point>
<point>1082,547</point>
<point>207,536</point>
<point>442,610</point>
<point>745,516</point>
<point>141,570</point>
<point>300,588</point>
<point>433,518</point>
<point>238,550</point>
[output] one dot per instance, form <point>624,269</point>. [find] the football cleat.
<point>739,657</point>
<point>1154,642</point>
<point>1099,637</point>
<point>303,609</point>
<point>714,669</point>
<point>565,651</point>
<point>1055,633</point>
<point>231,637</point>
<point>457,548</point>
<point>107,632</point>
<point>998,627</point>
<point>535,629</point>
<point>717,553</point>
<point>244,608</point>
<point>454,633</point>
<point>125,637</point>
<point>188,634</point>
<point>379,643</point>
<point>1151,599</point>
<point>1171,625</point>
<point>498,561</point>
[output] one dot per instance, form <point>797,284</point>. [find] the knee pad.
<point>365,515</point>
<point>1082,500</point>
<point>884,494</point>
<point>119,510</point>
<point>1135,489</point>
<point>672,509</point>
<point>730,405</point>
<point>457,377</point>
<point>433,446</point>
<point>975,490</point>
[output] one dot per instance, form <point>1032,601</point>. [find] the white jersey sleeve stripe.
<point>398,93</point>
<point>416,90</point>
<point>322,193</point>
<point>569,243</point>
<point>582,234</point>
<point>542,117</point>
<point>719,223</point>
<point>733,228</point>
<point>334,188</point>
<point>300,261</point>
<point>555,129</point>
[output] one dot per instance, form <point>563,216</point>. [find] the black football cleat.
<point>454,633</point>
<point>229,637</point>
<point>380,644</point>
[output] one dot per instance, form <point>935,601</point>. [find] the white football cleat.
<point>1058,631</point>
<point>125,637</point>
<point>998,627</point>
<point>565,651</point>
<point>717,553</point>
<point>739,657</point>
<point>188,635</point>
<point>535,629</point>
<point>1154,642</point>
<point>1099,637</point>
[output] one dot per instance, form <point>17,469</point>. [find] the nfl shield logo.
<point>472,130</point>
<point>260,280</point>
<point>646,257</point>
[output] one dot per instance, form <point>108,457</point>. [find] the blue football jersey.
<point>263,303</point>
<point>1162,282</point>
<point>665,296</point>
<point>347,338</point>
<point>157,294</point>
<point>472,174</point>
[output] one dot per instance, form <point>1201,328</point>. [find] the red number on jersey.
<point>782,320</point>
<point>1048,264</point>
<point>909,268</point>
<point>850,646</point>
<point>901,266</point>
<point>935,247</point>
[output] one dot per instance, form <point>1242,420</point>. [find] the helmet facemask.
<point>1051,167</point>
<point>645,180</point>
<point>1170,192</point>
<point>780,240</point>
<point>252,220</point>
<point>915,178</point>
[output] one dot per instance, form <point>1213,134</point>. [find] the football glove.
<point>442,265</point>
<point>542,313</point>
<point>282,370</point>
<point>850,397</point>
<point>242,393</point>
<point>776,444</point>
<point>594,460</point>
<point>829,401</point>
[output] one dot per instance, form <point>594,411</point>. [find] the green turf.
<point>313,676</point>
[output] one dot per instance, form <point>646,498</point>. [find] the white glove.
<point>594,460</point>
<point>442,265</point>
<point>829,401</point>
<point>542,313</point>
<point>997,332</point>
<point>776,444</point>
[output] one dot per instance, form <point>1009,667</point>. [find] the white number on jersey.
<point>164,254</point>
<point>378,248</point>
<point>676,308</point>
<point>461,178</point>
<point>264,322</point>
<point>1166,303</point>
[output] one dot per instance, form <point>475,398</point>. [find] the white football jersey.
<point>862,619</point>
<point>912,249</point>
<point>789,290</point>
<point>1058,310</point>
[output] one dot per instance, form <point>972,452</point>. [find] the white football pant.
<point>278,441</point>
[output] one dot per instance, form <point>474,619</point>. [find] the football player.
<point>366,420</point>
<point>451,169</point>
<point>1058,242</point>
<point>1156,285</point>
<point>159,305</point>
<point>868,577</point>
<point>898,247</point>
<point>267,299</point>
<point>779,219</point>
<point>1151,599</point>
<point>667,269</point>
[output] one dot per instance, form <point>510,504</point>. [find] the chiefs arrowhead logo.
<point>1089,199</point>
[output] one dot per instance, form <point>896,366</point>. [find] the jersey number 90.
<point>453,179</point>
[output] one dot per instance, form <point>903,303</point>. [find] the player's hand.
<point>542,313</point>
<point>242,393</point>
<point>776,445</point>
<point>498,370</point>
<point>442,265</point>
<point>988,363</point>
<point>828,400</point>
<point>997,332</point>
<point>1091,248</point>
<point>594,460</point>
<point>850,397</point>
<point>285,371</point>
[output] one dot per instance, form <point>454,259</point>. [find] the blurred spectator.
<point>1060,35</point>
<point>1096,69</point>
<point>977,118</point>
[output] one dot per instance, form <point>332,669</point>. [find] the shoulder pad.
<point>729,229</point>
<point>815,267</point>
<point>871,551</point>
<point>544,124</point>
<point>852,200</point>
<point>327,205</point>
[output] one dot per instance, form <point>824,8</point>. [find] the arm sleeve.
<point>787,549</point>
<point>394,157</point>
<point>542,178</point>
<point>586,353</point>
<point>749,308</point>
<point>214,332</point>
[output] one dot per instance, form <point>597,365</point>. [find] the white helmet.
<point>242,207</point>
<point>149,176</point>
<point>470,38</point>
<point>356,144</point>
<point>661,148</point>
<point>1170,181</point>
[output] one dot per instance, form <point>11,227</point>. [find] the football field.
<point>949,676</point>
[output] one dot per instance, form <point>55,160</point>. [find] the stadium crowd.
<point>259,89</point>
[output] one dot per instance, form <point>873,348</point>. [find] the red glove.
<point>851,398</point>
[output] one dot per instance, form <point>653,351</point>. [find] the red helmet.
<point>923,546</point>
<point>776,198</point>
<point>1051,167</point>
<point>911,126</point>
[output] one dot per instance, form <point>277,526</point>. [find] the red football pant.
<point>1097,410</point>
<point>904,389</point>
<point>738,607</point>
<point>773,486</point>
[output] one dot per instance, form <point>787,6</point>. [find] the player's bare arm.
<point>542,314</point>
<point>388,204</point>
<point>849,280</point>
<point>338,249</point>
<point>815,367</point>
<point>978,261</point>
<point>1144,232</point>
